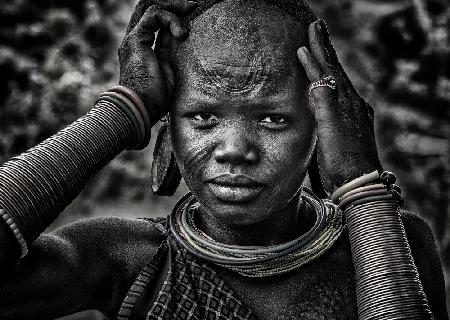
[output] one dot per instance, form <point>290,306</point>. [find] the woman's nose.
<point>236,148</point>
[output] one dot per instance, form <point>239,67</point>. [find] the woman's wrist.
<point>12,225</point>
<point>380,250</point>
<point>372,184</point>
<point>135,103</point>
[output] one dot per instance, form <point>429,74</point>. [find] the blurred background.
<point>57,56</point>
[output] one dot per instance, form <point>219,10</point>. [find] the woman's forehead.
<point>228,77</point>
<point>214,83</point>
<point>240,32</point>
<point>241,51</point>
<point>240,48</point>
<point>243,29</point>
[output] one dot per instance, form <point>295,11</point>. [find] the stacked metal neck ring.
<point>196,243</point>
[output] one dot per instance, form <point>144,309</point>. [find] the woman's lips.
<point>234,188</point>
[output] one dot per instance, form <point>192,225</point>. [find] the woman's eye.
<point>204,116</point>
<point>204,120</point>
<point>274,121</point>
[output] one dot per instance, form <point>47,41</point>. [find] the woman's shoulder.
<point>125,241</point>
<point>417,230</point>
<point>116,228</point>
<point>426,258</point>
<point>422,243</point>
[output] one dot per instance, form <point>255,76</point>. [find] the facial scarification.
<point>233,79</point>
<point>240,47</point>
<point>240,109</point>
<point>197,158</point>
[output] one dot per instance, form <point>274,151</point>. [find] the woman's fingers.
<point>318,49</point>
<point>179,7</point>
<point>346,143</point>
<point>176,6</point>
<point>323,98</point>
<point>162,45</point>
<point>331,52</point>
<point>162,51</point>
<point>156,18</point>
<point>309,63</point>
<point>145,69</point>
<point>163,14</point>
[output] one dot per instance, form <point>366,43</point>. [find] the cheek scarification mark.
<point>195,162</point>
<point>233,79</point>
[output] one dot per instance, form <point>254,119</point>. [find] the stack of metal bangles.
<point>130,103</point>
<point>38,184</point>
<point>387,280</point>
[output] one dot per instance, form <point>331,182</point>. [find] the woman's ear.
<point>314,176</point>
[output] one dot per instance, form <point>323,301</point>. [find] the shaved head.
<point>237,46</point>
<point>226,35</point>
<point>241,107</point>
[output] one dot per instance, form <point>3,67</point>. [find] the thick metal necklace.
<point>259,261</point>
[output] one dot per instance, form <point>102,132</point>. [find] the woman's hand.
<point>148,72</point>
<point>346,141</point>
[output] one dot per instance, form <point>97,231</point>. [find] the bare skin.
<point>271,141</point>
<point>347,147</point>
<point>241,108</point>
<point>148,71</point>
<point>242,111</point>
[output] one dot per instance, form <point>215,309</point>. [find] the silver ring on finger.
<point>328,81</point>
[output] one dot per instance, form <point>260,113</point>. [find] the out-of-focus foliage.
<point>56,56</point>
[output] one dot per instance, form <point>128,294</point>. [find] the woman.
<point>252,89</point>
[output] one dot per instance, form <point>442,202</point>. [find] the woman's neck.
<point>284,225</point>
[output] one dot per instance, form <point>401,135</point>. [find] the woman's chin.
<point>237,212</point>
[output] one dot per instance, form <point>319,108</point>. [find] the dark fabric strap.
<point>141,294</point>
<point>142,285</point>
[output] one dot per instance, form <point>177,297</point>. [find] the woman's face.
<point>241,128</point>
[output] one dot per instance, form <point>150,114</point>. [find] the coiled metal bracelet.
<point>38,184</point>
<point>387,280</point>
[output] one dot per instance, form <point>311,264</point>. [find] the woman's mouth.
<point>234,187</point>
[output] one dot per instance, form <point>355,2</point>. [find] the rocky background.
<point>56,56</point>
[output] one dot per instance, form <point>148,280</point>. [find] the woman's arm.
<point>89,264</point>
<point>64,271</point>
<point>74,269</point>
<point>387,279</point>
<point>38,184</point>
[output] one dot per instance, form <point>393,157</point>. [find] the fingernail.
<point>301,51</point>
<point>319,25</point>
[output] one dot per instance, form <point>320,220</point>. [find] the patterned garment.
<point>191,290</point>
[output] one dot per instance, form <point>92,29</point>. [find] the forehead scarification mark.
<point>234,79</point>
<point>239,48</point>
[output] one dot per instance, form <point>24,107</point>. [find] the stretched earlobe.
<point>314,177</point>
<point>166,175</point>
